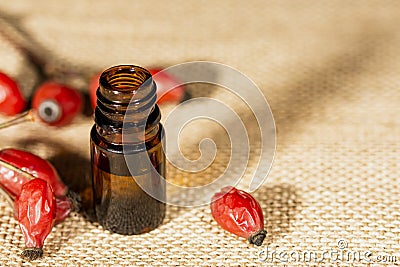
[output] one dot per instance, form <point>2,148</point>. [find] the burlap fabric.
<point>330,71</point>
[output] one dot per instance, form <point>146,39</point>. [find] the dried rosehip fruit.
<point>18,167</point>
<point>56,104</point>
<point>11,100</point>
<point>239,213</point>
<point>36,213</point>
<point>64,208</point>
<point>27,162</point>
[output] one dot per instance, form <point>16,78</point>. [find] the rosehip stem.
<point>24,117</point>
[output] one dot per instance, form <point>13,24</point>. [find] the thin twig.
<point>24,117</point>
<point>17,170</point>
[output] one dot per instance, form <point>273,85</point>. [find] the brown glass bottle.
<point>126,143</point>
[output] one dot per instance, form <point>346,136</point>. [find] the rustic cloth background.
<point>331,73</point>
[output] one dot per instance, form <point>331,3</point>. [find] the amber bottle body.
<point>121,203</point>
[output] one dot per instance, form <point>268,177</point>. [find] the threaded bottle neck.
<point>126,100</point>
<point>126,90</point>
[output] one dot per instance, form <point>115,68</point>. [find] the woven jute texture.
<point>330,71</point>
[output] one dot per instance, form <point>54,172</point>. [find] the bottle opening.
<point>124,78</point>
<point>127,93</point>
<point>124,83</point>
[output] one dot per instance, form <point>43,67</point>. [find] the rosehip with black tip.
<point>17,167</point>
<point>36,212</point>
<point>239,213</point>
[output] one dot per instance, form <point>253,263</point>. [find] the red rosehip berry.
<point>64,208</point>
<point>239,213</point>
<point>56,104</point>
<point>93,85</point>
<point>26,162</point>
<point>11,100</point>
<point>17,167</point>
<point>169,89</point>
<point>36,212</point>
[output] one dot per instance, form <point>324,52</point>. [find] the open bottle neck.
<point>126,111</point>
